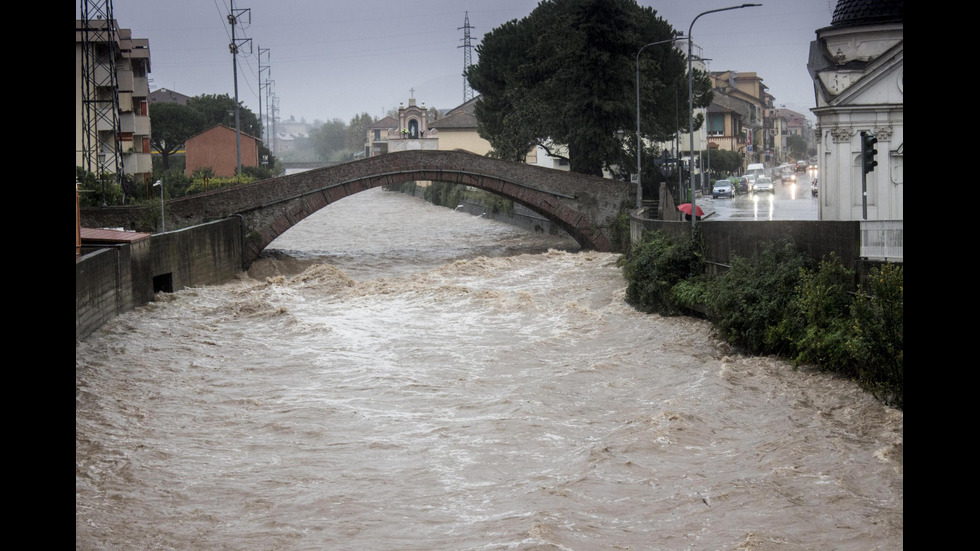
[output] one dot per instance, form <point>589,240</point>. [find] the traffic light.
<point>868,151</point>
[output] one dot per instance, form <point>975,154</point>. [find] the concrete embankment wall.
<point>113,280</point>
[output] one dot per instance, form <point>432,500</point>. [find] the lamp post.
<point>690,94</point>
<point>101,173</point>
<point>639,141</point>
<point>163,224</point>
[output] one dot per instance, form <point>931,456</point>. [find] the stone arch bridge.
<point>583,206</point>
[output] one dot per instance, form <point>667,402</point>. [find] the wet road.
<point>790,201</point>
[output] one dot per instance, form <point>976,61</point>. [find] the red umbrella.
<point>686,209</point>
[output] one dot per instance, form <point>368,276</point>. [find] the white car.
<point>763,183</point>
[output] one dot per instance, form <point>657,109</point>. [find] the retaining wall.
<point>727,239</point>
<point>113,280</point>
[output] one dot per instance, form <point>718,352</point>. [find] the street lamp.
<point>163,224</point>
<point>639,141</point>
<point>690,94</point>
<point>101,173</point>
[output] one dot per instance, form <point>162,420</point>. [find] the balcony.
<point>127,122</point>
<point>141,86</point>
<point>137,163</point>
<point>124,80</point>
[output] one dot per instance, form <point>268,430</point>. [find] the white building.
<point>858,72</point>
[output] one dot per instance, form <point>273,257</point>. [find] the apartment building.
<point>112,123</point>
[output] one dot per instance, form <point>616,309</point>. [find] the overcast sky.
<point>334,59</point>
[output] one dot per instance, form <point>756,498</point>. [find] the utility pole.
<point>274,111</point>
<point>263,130</point>
<point>233,19</point>
<point>467,59</point>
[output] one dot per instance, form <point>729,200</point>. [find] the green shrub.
<point>816,325</point>
<point>92,191</point>
<point>444,194</point>
<point>204,183</point>
<point>876,340</point>
<point>654,266</point>
<point>619,231</point>
<point>495,204</point>
<point>257,172</point>
<point>746,302</point>
<point>692,293</point>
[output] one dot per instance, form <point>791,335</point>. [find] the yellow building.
<point>736,117</point>
<point>457,130</point>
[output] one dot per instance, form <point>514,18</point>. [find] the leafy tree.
<point>566,74</point>
<point>724,161</point>
<point>329,138</point>
<point>220,109</point>
<point>357,131</point>
<point>172,125</point>
<point>797,146</point>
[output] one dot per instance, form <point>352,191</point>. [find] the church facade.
<point>857,66</point>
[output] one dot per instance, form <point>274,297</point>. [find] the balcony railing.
<point>882,240</point>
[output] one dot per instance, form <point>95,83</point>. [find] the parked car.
<point>763,184</point>
<point>723,188</point>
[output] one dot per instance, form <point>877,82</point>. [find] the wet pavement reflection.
<point>788,201</point>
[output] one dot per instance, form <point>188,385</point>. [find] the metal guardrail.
<point>882,240</point>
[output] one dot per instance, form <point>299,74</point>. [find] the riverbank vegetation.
<point>782,302</point>
<point>450,195</point>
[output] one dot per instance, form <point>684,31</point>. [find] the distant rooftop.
<point>163,95</point>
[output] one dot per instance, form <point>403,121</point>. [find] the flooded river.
<point>395,375</point>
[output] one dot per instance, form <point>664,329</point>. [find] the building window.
<point>716,124</point>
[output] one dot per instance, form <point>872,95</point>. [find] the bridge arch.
<point>583,206</point>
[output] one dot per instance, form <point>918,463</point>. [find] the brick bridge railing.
<point>583,206</point>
